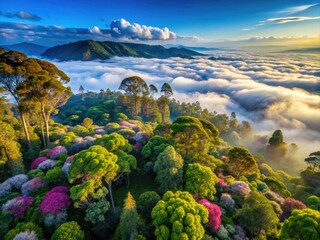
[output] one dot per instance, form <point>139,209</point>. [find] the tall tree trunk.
<point>46,121</point>
<point>7,156</point>
<point>42,135</point>
<point>25,129</point>
<point>111,196</point>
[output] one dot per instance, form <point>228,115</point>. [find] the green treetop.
<point>200,181</point>
<point>178,216</point>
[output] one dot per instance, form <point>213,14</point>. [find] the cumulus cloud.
<point>22,15</point>
<point>291,19</point>
<point>122,28</point>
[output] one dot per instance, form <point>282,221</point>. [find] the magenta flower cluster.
<point>55,201</point>
<point>57,151</point>
<point>32,185</point>
<point>18,206</point>
<point>37,161</point>
<point>214,214</point>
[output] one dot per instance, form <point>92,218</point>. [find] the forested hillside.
<point>93,50</point>
<point>138,164</point>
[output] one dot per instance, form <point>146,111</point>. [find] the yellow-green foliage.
<point>113,142</point>
<point>303,224</point>
<point>95,163</point>
<point>68,231</point>
<point>82,194</point>
<point>178,216</point>
<point>200,181</point>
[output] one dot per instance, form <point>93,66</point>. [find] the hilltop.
<point>92,50</point>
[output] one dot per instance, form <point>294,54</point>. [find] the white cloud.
<point>124,29</point>
<point>296,9</point>
<point>260,88</point>
<point>291,19</point>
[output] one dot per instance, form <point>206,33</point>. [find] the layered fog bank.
<point>271,91</point>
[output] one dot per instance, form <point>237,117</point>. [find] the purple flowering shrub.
<point>239,188</point>
<point>65,168</point>
<point>32,186</point>
<point>18,206</point>
<point>18,180</point>
<point>80,143</point>
<point>55,201</point>
<point>47,164</point>
<point>12,183</point>
<point>214,214</point>
<point>226,200</point>
<point>5,189</point>
<point>37,161</point>
<point>57,151</point>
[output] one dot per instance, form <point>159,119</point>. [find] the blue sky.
<point>207,19</point>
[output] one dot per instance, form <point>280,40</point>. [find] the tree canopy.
<point>178,216</point>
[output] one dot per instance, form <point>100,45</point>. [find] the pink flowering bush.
<point>227,201</point>
<point>239,188</point>
<point>18,206</point>
<point>32,185</point>
<point>37,161</point>
<point>221,183</point>
<point>57,151</point>
<point>55,201</point>
<point>214,214</point>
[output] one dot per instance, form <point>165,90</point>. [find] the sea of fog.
<point>272,91</point>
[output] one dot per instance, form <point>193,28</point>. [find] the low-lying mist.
<point>272,92</point>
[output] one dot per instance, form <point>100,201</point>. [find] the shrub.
<point>55,220</point>
<point>146,203</point>
<point>18,206</point>
<point>55,201</point>
<point>54,176</point>
<point>239,188</point>
<point>35,173</point>
<point>23,227</point>
<point>96,211</point>
<point>47,164</point>
<point>227,201</point>
<point>68,231</point>
<point>37,161</point>
<point>57,151</point>
<point>32,185</point>
<point>27,235</point>
<point>5,189</point>
<point>18,180</point>
<point>214,215</point>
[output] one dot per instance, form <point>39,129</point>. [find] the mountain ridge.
<point>87,50</point>
<point>27,48</point>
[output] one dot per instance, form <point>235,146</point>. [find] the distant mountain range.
<point>27,48</point>
<point>303,50</point>
<point>93,50</point>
